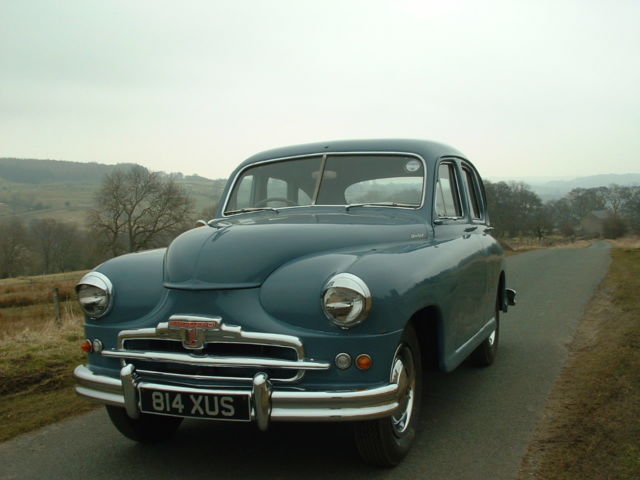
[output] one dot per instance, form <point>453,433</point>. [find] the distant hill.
<point>31,188</point>
<point>554,189</point>
<point>26,170</point>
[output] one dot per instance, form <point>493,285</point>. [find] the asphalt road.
<point>476,422</point>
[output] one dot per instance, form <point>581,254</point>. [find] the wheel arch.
<point>427,323</point>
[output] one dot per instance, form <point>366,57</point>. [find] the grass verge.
<point>37,354</point>
<point>36,377</point>
<point>590,427</point>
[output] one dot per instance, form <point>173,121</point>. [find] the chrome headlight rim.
<point>102,282</point>
<point>352,283</point>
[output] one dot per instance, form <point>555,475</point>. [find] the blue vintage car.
<point>332,276</point>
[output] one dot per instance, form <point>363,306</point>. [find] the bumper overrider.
<point>268,391</point>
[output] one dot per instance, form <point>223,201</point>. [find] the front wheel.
<point>146,429</point>
<point>386,441</point>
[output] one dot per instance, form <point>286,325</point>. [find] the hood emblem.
<point>193,330</point>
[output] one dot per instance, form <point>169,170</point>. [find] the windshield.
<point>394,180</point>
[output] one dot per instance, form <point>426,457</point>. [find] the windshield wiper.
<point>251,209</point>
<point>379,204</point>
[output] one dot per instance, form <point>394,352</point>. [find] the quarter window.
<point>472,189</point>
<point>447,196</point>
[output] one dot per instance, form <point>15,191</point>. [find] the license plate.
<point>214,406</point>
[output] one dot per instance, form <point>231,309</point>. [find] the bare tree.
<point>137,209</point>
<point>13,251</point>
<point>56,246</point>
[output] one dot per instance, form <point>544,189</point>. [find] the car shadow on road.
<point>287,450</point>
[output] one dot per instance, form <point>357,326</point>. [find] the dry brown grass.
<point>629,242</point>
<point>590,427</point>
<point>523,244</point>
<point>26,303</point>
<point>37,354</point>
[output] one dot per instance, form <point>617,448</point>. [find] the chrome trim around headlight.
<point>101,281</point>
<point>347,281</point>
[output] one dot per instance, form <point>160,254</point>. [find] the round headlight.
<point>346,300</point>
<point>95,292</point>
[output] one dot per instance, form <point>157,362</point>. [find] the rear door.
<point>459,237</point>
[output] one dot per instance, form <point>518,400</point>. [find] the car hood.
<point>242,251</point>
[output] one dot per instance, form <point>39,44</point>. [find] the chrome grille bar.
<point>210,331</point>
<point>216,361</point>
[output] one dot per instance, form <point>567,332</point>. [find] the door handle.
<point>489,230</point>
<point>470,229</point>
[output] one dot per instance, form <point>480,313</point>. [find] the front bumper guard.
<point>267,404</point>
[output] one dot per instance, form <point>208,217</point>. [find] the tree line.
<point>135,209</point>
<point>610,212</point>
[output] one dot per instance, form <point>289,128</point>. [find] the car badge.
<point>193,332</point>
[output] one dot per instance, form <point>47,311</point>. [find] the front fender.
<point>137,285</point>
<point>398,287</point>
<point>292,293</point>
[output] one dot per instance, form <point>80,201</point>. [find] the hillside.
<point>551,189</point>
<point>64,190</point>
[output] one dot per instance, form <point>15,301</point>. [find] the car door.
<point>459,238</point>
<point>480,221</point>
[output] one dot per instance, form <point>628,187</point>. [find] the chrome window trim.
<point>324,156</point>
<point>453,161</point>
<point>466,165</point>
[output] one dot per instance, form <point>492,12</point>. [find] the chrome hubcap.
<point>402,374</point>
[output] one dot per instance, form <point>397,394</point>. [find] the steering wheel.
<point>264,201</point>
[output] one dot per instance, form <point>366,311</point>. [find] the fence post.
<point>56,304</point>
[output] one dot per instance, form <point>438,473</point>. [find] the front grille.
<point>211,373</point>
<point>227,349</point>
<point>217,349</point>
<point>227,352</point>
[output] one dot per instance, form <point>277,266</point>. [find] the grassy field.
<point>37,354</point>
<point>590,427</point>
<point>70,202</point>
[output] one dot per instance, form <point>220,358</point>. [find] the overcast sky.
<point>523,88</point>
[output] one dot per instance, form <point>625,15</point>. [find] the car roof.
<point>428,150</point>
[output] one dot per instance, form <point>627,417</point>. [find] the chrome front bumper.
<point>267,404</point>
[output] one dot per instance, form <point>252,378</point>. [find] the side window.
<point>474,194</point>
<point>276,188</point>
<point>242,197</point>
<point>447,195</point>
<point>303,198</point>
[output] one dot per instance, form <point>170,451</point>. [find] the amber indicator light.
<point>364,362</point>
<point>86,346</point>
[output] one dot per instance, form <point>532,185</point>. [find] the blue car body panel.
<point>265,271</point>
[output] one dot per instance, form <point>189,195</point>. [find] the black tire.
<point>485,354</point>
<point>146,429</point>
<point>386,441</point>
